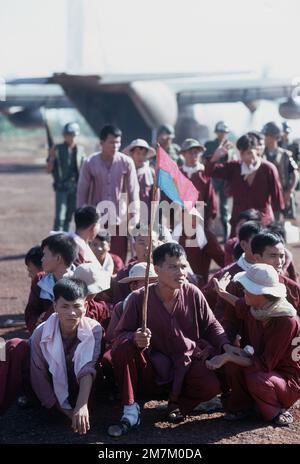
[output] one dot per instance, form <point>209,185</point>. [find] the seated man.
<point>267,375</point>
<point>166,354</point>
<point>59,252</point>
<point>64,354</point>
<point>33,261</point>
<point>101,248</point>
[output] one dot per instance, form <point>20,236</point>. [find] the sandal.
<point>174,414</point>
<point>284,418</point>
<point>122,428</point>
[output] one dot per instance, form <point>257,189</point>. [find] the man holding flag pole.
<point>168,330</point>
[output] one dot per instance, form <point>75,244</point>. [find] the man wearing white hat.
<point>141,153</point>
<point>268,375</point>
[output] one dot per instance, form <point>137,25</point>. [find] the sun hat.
<point>138,272</point>
<point>95,278</point>
<point>261,279</point>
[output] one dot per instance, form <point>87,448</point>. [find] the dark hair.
<point>85,217</point>
<point>70,289</point>
<point>61,244</point>
<point>107,130</point>
<point>276,229</point>
<point>34,256</point>
<point>262,240</point>
<point>250,215</point>
<point>258,135</point>
<point>104,237</point>
<point>272,298</point>
<point>248,229</point>
<point>170,249</point>
<point>246,142</point>
<point>237,251</point>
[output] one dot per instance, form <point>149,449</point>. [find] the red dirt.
<point>26,214</point>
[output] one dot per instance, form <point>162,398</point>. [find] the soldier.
<point>285,142</point>
<point>64,163</point>
<point>286,165</point>
<point>165,137</point>
<point>222,131</point>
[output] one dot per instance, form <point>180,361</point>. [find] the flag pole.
<point>152,218</point>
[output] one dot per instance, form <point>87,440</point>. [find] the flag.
<point>173,183</point>
<point>179,189</point>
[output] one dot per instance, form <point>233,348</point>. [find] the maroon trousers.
<point>268,390</point>
<point>134,373</point>
<point>14,372</point>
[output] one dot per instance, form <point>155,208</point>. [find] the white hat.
<point>261,279</point>
<point>94,277</point>
<point>138,272</point>
<point>141,143</point>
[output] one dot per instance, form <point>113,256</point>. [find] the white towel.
<point>52,348</point>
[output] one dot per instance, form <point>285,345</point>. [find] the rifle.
<point>50,141</point>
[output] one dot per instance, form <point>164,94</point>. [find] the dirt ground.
<point>26,215</point>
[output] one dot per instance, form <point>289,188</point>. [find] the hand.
<point>81,421</point>
<point>235,350</point>
<point>142,339</point>
<point>52,154</point>
<point>219,153</point>
<point>221,284</point>
<point>202,354</point>
<point>216,362</point>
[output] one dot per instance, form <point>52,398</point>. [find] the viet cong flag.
<point>179,189</point>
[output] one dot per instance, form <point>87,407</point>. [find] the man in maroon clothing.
<point>268,374</point>
<point>167,353</point>
<point>246,233</point>
<point>59,252</point>
<point>254,182</point>
<point>200,259</point>
<point>141,153</point>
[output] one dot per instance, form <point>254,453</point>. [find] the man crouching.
<point>64,353</point>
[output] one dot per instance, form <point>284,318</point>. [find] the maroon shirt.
<point>273,344</point>
<point>264,193</point>
<point>121,291</point>
<point>176,332</point>
<point>36,305</point>
<point>176,335</point>
<point>118,263</point>
<point>204,185</point>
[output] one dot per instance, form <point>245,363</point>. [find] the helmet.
<point>222,126</point>
<point>286,127</point>
<point>271,128</point>
<point>166,129</point>
<point>71,128</point>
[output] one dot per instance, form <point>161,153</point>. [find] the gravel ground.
<point>26,214</point>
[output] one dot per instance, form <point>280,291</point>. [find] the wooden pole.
<point>152,218</point>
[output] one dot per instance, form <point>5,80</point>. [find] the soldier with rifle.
<point>64,162</point>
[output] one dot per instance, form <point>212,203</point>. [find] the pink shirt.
<point>98,182</point>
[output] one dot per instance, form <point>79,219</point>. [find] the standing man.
<point>64,163</point>
<point>104,177</point>
<point>221,131</point>
<point>165,137</point>
<point>286,165</point>
<point>285,142</point>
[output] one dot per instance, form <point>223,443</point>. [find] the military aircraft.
<point>140,103</point>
